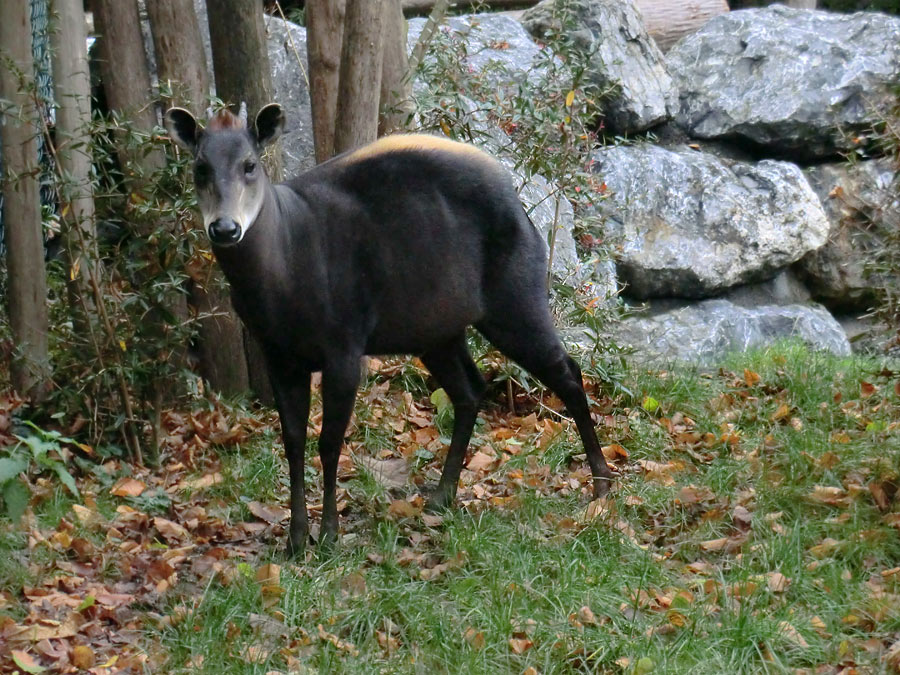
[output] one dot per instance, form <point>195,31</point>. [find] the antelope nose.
<point>224,231</point>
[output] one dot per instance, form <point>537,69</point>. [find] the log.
<point>667,21</point>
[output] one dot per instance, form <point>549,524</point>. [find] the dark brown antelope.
<point>395,248</point>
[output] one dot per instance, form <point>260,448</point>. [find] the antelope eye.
<point>202,173</point>
<point>249,166</point>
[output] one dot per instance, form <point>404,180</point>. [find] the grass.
<point>744,535</point>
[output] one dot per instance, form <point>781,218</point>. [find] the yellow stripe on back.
<point>401,142</point>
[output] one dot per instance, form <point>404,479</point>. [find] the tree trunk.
<point>27,284</point>
<point>124,72</point>
<point>356,122</point>
<point>181,66</point>
<point>72,91</point>
<point>180,59</point>
<point>667,21</point>
<point>241,67</point>
<point>324,34</point>
<point>396,88</point>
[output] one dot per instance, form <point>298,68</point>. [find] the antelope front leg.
<point>292,399</point>
<point>340,380</point>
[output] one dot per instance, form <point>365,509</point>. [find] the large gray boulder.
<point>862,204</point>
<point>494,46</point>
<point>691,225</point>
<point>287,58</point>
<point>624,59</point>
<point>800,82</point>
<point>705,332</point>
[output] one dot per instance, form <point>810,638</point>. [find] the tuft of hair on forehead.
<point>225,119</point>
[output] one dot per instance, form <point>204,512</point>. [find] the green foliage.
<point>884,265</point>
<point>36,453</point>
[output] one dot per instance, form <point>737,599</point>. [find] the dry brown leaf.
<point>171,531</point>
<point>391,473</point>
<point>614,452</point>
<point>833,496</point>
<point>777,582</point>
<point>824,548</point>
<point>892,656</point>
<point>26,661</point>
<point>866,389</point>
<point>784,410</point>
<point>339,644</point>
<point>475,638</point>
<point>520,645</point>
<point>400,508</point>
<point>792,634</point>
<point>481,461</point>
<point>269,513</point>
<point>269,574</point>
<point>586,616</point>
<point>128,487</point>
<point>692,494</point>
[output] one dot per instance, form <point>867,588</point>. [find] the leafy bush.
<point>35,453</point>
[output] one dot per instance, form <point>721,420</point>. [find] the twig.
<point>428,30</point>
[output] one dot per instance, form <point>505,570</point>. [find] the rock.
<point>862,204</point>
<point>705,332</point>
<point>783,289</point>
<point>492,44</point>
<point>802,83</point>
<point>624,59</point>
<point>692,225</point>
<point>287,58</point>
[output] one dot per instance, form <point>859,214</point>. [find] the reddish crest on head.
<point>224,119</point>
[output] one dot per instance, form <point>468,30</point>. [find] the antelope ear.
<point>182,127</point>
<point>269,124</point>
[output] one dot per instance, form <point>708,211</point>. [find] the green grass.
<point>660,593</point>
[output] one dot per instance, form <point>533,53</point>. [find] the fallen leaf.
<point>792,634</point>
<point>866,389</point>
<point>128,487</point>
<point>269,574</point>
<point>481,461</point>
<point>833,496</point>
<point>614,452</point>
<point>269,513</point>
<point>520,645</point>
<point>336,641</point>
<point>391,473</point>
<point>777,582</point>
<point>586,616</point>
<point>26,661</point>
<point>475,638</point>
<point>400,508</point>
<point>170,530</point>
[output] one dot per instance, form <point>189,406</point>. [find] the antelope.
<point>394,248</point>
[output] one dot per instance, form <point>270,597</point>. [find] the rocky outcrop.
<point>692,225</point>
<point>862,203</point>
<point>287,57</point>
<point>705,332</point>
<point>626,66</point>
<point>802,83</point>
<point>494,45</point>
